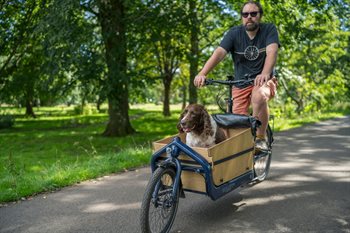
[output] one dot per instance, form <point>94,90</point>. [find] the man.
<point>253,46</point>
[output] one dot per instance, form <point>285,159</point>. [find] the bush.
<point>86,110</point>
<point>6,121</point>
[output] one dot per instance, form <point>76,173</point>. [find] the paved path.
<point>308,190</point>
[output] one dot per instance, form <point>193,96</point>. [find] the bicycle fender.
<point>167,163</point>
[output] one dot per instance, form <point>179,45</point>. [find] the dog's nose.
<point>182,122</point>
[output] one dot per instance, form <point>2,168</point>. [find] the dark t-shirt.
<point>249,55</point>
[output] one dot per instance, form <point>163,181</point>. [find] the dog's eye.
<point>195,115</point>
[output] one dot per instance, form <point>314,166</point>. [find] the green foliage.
<point>53,51</point>
<point>311,60</point>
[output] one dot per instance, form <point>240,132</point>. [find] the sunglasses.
<point>252,14</point>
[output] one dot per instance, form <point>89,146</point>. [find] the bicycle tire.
<point>164,204</point>
<point>262,160</point>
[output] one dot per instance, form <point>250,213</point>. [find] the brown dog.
<point>200,128</point>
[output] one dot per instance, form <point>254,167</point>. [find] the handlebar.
<point>243,82</point>
<point>230,82</point>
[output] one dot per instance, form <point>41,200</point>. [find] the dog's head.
<point>195,119</point>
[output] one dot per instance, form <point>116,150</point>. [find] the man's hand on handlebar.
<point>261,79</point>
<point>199,80</point>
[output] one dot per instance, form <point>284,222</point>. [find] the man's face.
<point>251,21</point>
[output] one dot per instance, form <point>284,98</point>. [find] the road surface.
<point>308,190</point>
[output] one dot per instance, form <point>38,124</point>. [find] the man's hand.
<point>199,80</point>
<point>261,79</point>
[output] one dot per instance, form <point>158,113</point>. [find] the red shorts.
<point>242,97</point>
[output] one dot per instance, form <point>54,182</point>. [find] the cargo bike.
<point>213,171</point>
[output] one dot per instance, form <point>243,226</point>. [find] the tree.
<point>207,22</point>
<point>112,19</point>
<point>161,30</point>
<point>90,29</point>
<point>313,40</point>
<point>51,50</point>
<point>21,52</point>
<point>193,56</point>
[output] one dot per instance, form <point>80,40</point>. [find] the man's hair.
<point>255,3</point>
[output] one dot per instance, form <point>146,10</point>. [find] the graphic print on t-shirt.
<point>252,52</point>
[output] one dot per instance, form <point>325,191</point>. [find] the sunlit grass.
<point>283,123</point>
<point>53,151</point>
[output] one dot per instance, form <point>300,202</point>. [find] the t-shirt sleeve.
<point>227,42</point>
<point>272,36</point>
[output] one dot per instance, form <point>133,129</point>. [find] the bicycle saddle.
<point>230,121</point>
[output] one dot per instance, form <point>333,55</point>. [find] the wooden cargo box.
<point>230,158</point>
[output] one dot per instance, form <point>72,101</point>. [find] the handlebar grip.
<point>208,82</point>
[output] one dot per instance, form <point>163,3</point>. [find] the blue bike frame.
<point>173,151</point>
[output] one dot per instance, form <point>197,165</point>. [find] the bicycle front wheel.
<point>159,206</point>
<point>262,159</point>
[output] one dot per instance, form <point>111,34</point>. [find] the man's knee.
<point>260,95</point>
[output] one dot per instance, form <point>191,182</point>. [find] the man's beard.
<point>252,26</point>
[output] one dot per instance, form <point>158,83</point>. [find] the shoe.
<point>261,144</point>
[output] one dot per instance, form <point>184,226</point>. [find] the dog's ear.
<point>179,128</point>
<point>208,130</point>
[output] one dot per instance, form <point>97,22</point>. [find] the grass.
<point>60,148</point>
<point>56,150</point>
<point>294,121</point>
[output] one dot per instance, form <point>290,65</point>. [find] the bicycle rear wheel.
<point>159,206</point>
<point>262,159</point>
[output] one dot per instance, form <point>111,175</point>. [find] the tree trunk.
<point>184,94</point>
<point>300,104</point>
<point>29,109</point>
<point>299,101</point>
<point>167,84</point>
<point>98,105</point>
<point>29,96</point>
<point>112,20</point>
<point>193,56</point>
<point>82,106</point>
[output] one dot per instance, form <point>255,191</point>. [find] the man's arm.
<point>215,59</point>
<point>270,62</point>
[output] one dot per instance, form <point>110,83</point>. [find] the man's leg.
<point>260,97</point>
<point>241,100</point>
